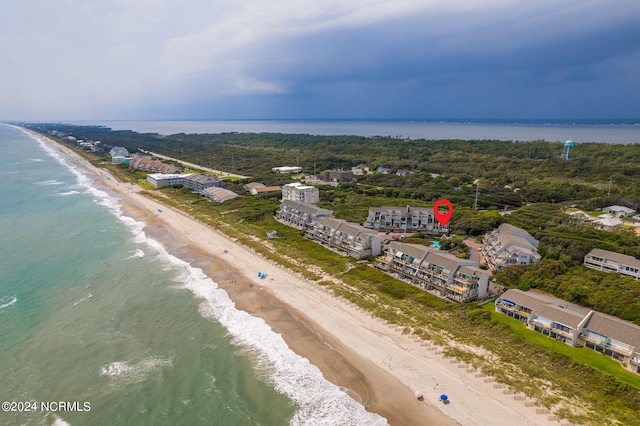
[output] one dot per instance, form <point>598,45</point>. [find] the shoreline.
<point>380,366</point>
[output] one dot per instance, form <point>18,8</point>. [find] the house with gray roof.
<point>574,325</point>
<point>609,261</point>
<point>619,211</point>
<point>436,271</point>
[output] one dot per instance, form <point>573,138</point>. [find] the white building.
<point>159,180</point>
<point>609,261</point>
<point>619,211</point>
<point>301,193</point>
<point>286,169</point>
<point>607,222</point>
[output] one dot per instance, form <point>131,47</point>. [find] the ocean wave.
<point>65,194</point>
<point>5,302</point>
<point>36,160</point>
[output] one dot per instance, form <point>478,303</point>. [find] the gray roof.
<point>400,210</point>
<point>615,328</point>
<point>548,306</point>
<point>622,259</point>
<point>471,270</point>
<point>343,226</point>
<point>331,222</point>
<point>305,207</point>
<point>203,178</point>
<point>514,231</point>
<point>414,250</point>
<point>446,260</point>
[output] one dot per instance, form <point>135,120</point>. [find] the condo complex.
<point>574,325</point>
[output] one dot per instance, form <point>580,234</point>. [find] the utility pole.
<point>609,193</point>
<point>475,202</point>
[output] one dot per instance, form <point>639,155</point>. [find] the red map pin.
<point>443,218</point>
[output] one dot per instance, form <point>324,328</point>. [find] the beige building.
<point>436,271</point>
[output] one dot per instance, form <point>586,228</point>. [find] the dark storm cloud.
<point>326,59</point>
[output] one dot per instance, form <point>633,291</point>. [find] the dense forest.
<point>527,178</point>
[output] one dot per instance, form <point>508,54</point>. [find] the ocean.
<point>100,325</point>
<point>603,131</point>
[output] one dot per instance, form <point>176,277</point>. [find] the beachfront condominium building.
<point>403,219</point>
<point>301,193</point>
<point>574,325</point>
<point>145,163</point>
<point>349,239</point>
<point>509,245</point>
<point>299,215</point>
<point>160,180</point>
<point>609,261</point>
<point>436,271</point>
<point>219,195</point>
<point>200,182</point>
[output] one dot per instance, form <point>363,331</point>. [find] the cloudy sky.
<point>279,59</point>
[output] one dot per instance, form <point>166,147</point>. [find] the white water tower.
<point>565,152</point>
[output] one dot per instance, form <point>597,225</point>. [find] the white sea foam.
<point>5,302</point>
<point>319,401</point>
<point>115,369</point>
<point>136,253</point>
<point>136,372</point>
<point>59,422</point>
<point>65,194</point>
<point>36,160</point>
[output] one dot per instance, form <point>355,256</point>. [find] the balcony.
<point>562,332</point>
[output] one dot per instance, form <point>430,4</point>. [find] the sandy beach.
<point>380,366</point>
